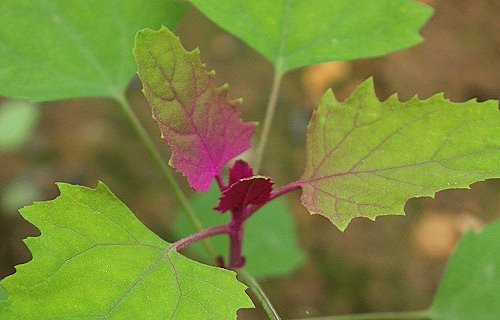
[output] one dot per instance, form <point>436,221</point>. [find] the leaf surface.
<point>293,33</point>
<point>470,285</point>
<point>95,260</point>
<point>248,191</point>
<point>3,294</point>
<point>366,158</point>
<point>66,49</point>
<point>198,121</point>
<point>270,246</point>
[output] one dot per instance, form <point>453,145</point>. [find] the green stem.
<point>404,315</point>
<point>259,293</point>
<point>165,170</point>
<point>181,197</point>
<point>268,118</point>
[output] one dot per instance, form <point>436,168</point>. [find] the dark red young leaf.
<point>254,190</point>
<point>240,170</point>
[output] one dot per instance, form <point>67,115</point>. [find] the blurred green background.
<point>391,264</point>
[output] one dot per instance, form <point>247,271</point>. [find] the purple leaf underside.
<point>249,191</point>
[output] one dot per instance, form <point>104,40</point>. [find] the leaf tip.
<point>368,85</point>
<point>237,102</point>
<point>164,29</point>
<point>222,90</point>
<point>140,34</point>
<point>64,187</point>
<point>340,224</point>
<point>195,52</point>
<point>329,94</point>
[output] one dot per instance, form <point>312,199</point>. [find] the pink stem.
<point>220,182</point>
<point>274,194</point>
<point>235,228</point>
<point>285,189</point>
<point>236,259</point>
<point>185,242</point>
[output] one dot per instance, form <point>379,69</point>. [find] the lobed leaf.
<point>271,243</point>
<point>95,260</point>
<point>66,49</point>
<point>470,285</point>
<point>366,158</point>
<point>197,120</point>
<point>295,33</point>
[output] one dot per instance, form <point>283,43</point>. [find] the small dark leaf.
<point>255,190</point>
<point>240,170</point>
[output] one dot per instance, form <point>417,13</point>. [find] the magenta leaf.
<point>248,191</point>
<point>240,170</point>
<point>198,121</point>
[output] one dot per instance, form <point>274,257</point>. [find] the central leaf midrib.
<point>347,173</point>
<point>184,108</point>
<point>144,274</point>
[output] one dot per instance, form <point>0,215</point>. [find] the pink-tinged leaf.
<point>240,170</point>
<point>198,121</point>
<point>255,190</point>
<point>366,158</point>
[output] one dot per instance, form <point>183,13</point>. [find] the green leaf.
<point>366,158</point>
<point>3,294</point>
<point>65,49</point>
<point>470,286</point>
<point>18,120</point>
<point>294,33</point>
<point>95,260</point>
<point>270,244</point>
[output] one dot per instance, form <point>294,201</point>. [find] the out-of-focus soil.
<point>393,263</point>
